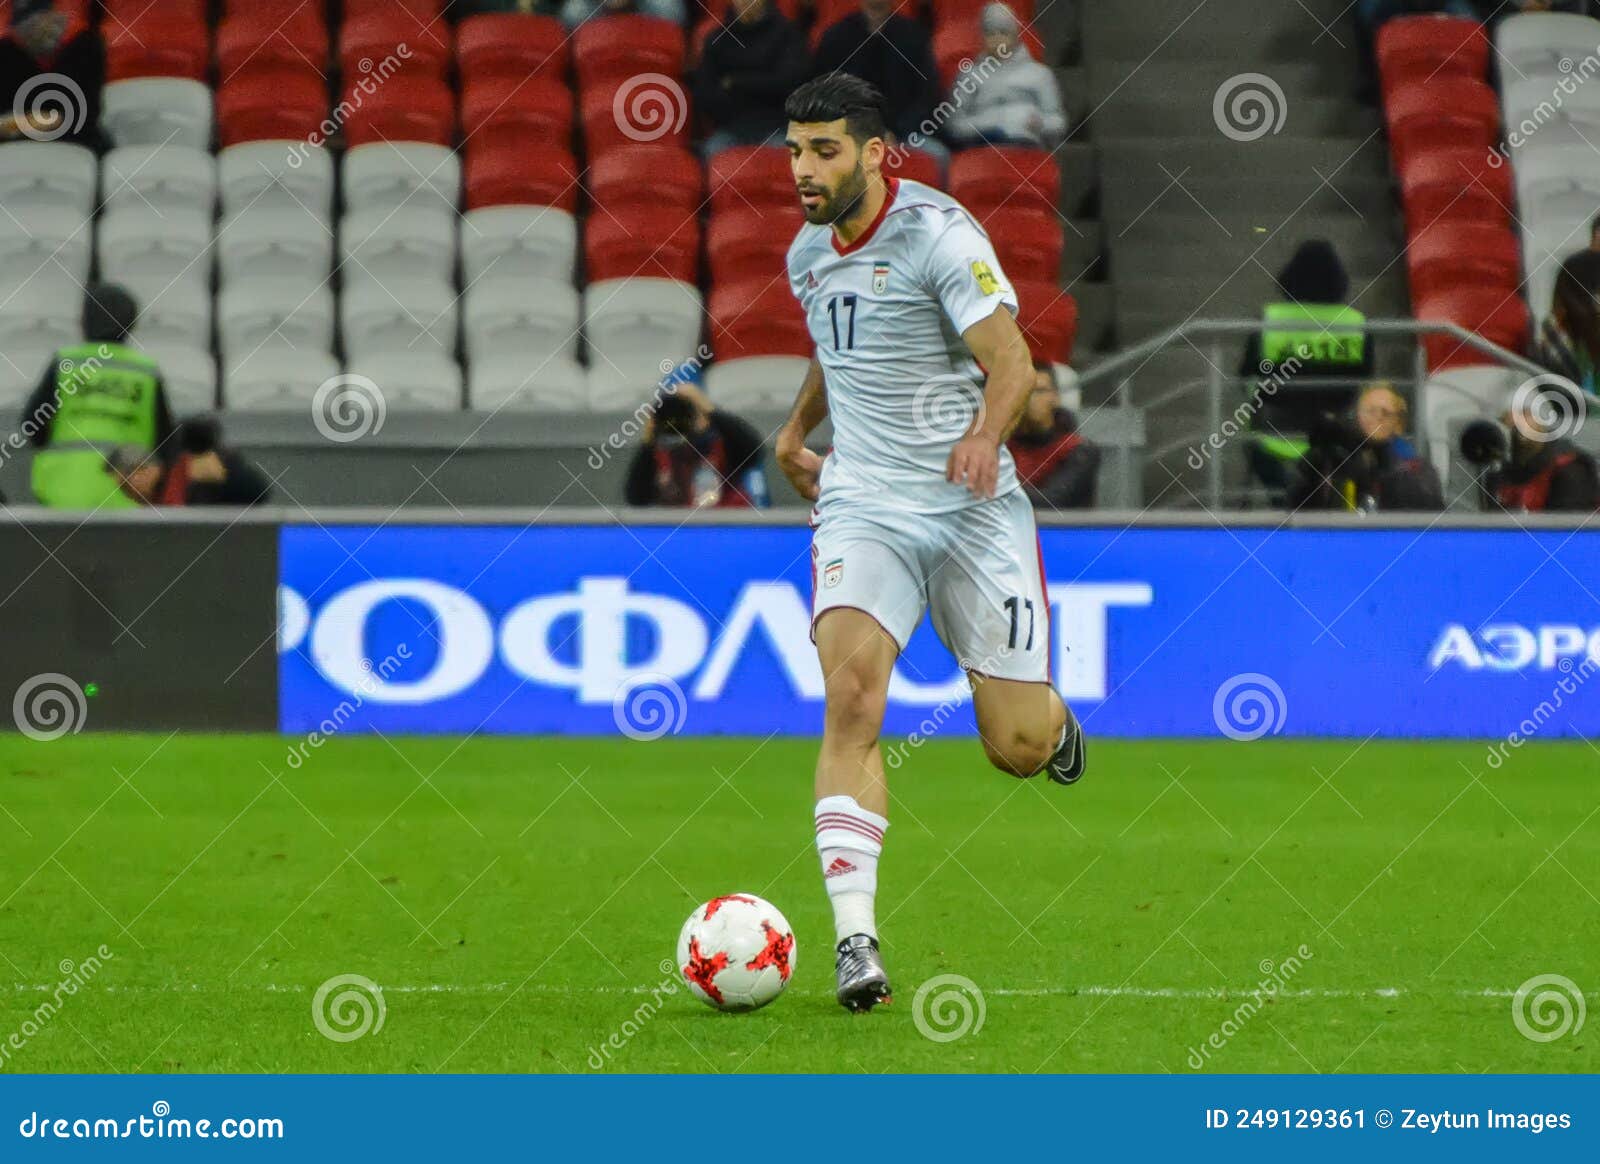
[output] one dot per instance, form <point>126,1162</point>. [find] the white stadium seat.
<point>518,242</point>
<point>266,241</point>
<point>413,316</point>
<point>277,379</point>
<point>422,380</point>
<point>756,381</point>
<point>1536,98</point>
<point>21,368</point>
<point>276,173</point>
<point>512,383</point>
<point>157,111</point>
<point>161,176</point>
<point>56,240</point>
<point>529,318</point>
<point>1535,44</point>
<point>405,243</point>
<point>179,317</point>
<point>56,174</point>
<point>1557,182</point>
<point>631,322</point>
<point>149,250</point>
<point>189,376</point>
<point>389,174</point>
<point>278,313</point>
<point>1543,250</point>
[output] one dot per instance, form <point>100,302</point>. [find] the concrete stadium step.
<point>1215,155</point>
<point>1193,83</point>
<point>1160,229</point>
<point>1364,257</point>
<point>1240,30</point>
<point>1239,295</point>
<point>1290,202</point>
<point>1136,112</point>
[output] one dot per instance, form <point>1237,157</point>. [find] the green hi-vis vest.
<point>1307,332</point>
<point>105,397</point>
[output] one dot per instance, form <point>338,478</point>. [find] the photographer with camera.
<point>1364,461</point>
<point>695,455</point>
<point>1531,467</point>
<point>203,472</point>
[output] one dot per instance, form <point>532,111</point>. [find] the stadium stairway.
<point>1196,223</point>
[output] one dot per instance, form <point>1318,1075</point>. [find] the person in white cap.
<point>1008,98</point>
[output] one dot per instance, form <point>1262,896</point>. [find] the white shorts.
<point>977,570</point>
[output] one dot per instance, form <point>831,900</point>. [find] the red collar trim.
<point>872,227</point>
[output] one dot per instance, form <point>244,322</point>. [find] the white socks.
<point>849,841</point>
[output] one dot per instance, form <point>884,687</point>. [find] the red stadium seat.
<point>627,113</point>
<point>271,105</point>
<point>759,317</point>
<point>424,10</point>
<point>533,109</point>
<point>741,245</point>
<point>1448,111</point>
<point>1027,242</point>
<point>261,37</point>
<point>643,243</point>
<point>1017,176</point>
<point>157,48</point>
<point>955,43</point>
<point>511,44</point>
<point>498,176</point>
<point>652,175</point>
<point>134,11</point>
<point>615,48</point>
<point>752,176</point>
<point>1423,48</point>
<point>412,41</point>
<point>950,11</point>
<point>406,107</point>
<point>918,165</point>
<point>1497,314</point>
<point>1457,254</point>
<point>1455,185</point>
<point>1048,315</point>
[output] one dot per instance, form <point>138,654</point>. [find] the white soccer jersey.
<point>886,314</point>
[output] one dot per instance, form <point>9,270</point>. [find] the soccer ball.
<point>736,952</point>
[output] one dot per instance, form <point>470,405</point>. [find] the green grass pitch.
<point>516,899</point>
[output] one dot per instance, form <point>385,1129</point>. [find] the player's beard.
<point>838,205</point>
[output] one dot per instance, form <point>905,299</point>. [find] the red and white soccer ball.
<point>736,952</point>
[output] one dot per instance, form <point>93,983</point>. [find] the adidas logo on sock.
<point>839,867</point>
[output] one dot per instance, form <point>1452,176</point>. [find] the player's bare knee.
<point>854,697</point>
<point>1017,754</point>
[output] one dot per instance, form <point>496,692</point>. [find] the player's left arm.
<point>998,344</point>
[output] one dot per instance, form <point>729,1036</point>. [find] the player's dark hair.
<point>840,95</point>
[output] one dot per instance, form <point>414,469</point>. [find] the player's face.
<point>828,171</point>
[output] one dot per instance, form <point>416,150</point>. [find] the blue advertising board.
<point>1156,632</point>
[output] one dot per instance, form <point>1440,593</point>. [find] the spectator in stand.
<point>895,53</point>
<point>1530,468</point>
<point>52,71</point>
<point>1366,462</point>
<point>203,472</point>
<point>748,66</point>
<point>1057,467</point>
<point>93,397</point>
<point>575,12</point>
<point>694,455</point>
<point>529,7</point>
<point>1569,338</point>
<point>1015,100</point>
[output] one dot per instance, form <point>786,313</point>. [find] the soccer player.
<point>922,368</point>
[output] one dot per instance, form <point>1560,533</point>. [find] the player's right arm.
<point>800,464</point>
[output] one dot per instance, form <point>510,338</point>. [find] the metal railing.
<point>1214,336</point>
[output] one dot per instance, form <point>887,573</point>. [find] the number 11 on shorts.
<point>1014,604</point>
